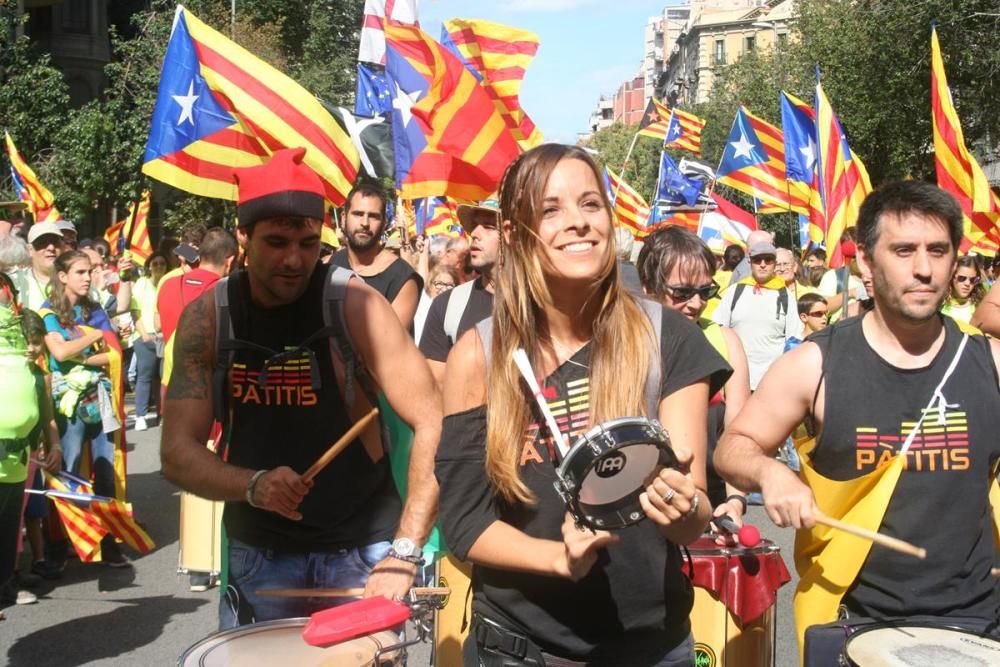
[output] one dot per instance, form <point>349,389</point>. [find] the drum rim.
<point>275,624</point>
<point>903,623</point>
<point>584,438</point>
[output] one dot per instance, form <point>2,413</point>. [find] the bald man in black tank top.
<point>865,382</point>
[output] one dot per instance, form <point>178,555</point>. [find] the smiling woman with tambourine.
<point>568,353</point>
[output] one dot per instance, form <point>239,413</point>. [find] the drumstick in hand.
<point>338,592</point>
<point>339,446</point>
<point>878,538</point>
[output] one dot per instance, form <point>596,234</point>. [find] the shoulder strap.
<point>334,292</point>
<point>458,299</point>
<point>783,306</point>
<point>223,352</point>
<point>737,293</point>
<point>654,312</point>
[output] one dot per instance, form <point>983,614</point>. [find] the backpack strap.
<point>223,351</point>
<point>737,293</point>
<point>457,301</point>
<point>334,292</point>
<point>654,312</point>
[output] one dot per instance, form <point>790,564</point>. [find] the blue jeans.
<point>252,569</point>
<point>73,433</point>
<point>146,371</point>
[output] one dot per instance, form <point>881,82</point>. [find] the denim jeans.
<point>252,569</point>
<point>73,433</point>
<point>146,371</point>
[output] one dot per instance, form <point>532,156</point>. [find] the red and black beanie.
<point>282,187</point>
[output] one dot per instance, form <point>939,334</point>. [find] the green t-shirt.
<point>20,403</point>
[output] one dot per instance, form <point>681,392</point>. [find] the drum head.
<point>920,646</point>
<point>609,466</point>
<point>280,643</point>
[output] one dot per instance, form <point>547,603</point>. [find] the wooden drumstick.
<point>878,538</point>
<point>338,592</point>
<point>339,446</point>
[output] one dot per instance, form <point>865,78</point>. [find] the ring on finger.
<point>669,496</point>
<point>694,506</point>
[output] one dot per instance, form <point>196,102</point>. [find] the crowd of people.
<point>768,369</point>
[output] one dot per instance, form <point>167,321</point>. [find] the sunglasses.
<point>818,313</point>
<point>763,259</point>
<point>686,292</point>
<point>440,285</point>
<point>972,279</point>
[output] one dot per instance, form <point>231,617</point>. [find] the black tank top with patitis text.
<point>941,500</point>
<point>289,422</point>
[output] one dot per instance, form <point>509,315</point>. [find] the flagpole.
<point>711,186</point>
<point>621,176</point>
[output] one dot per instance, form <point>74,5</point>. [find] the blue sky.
<point>588,47</point>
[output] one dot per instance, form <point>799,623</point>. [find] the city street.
<point>146,615</point>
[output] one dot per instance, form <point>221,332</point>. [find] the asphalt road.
<point>146,615</point>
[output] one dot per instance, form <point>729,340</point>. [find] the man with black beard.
<point>363,224</point>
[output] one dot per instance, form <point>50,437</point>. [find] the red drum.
<point>733,619</point>
<point>280,643</point>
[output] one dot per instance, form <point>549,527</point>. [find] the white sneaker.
<point>140,424</point>
<point>26,597</point>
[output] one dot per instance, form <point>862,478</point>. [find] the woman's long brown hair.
<point>61,304</point>
<point>620,333</point>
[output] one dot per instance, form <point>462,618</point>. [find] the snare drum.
<point>733,618</point>
<point>280,643</point>
<point>608,467</point>
<point>903,645</point>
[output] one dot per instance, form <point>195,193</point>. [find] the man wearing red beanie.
<point>289,354</point>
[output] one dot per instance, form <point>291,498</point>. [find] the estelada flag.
<point>498,55</point>
<point>684,131</point>
<point>220,107</point>
<point>448,136</point>
<point>655,120</point>
<point>41,203</point>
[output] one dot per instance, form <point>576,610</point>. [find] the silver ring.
<point>669,497</point>
<point>694,506</point>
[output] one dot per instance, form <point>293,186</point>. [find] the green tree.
<point>612,144</point>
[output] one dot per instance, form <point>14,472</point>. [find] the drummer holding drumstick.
<point>899,390</point>
<point>546,591</point>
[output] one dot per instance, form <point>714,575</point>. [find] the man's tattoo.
<point>194,337</point>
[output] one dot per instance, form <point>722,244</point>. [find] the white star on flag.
<point>809,153</point>
<point>187,104</point>
<point>742,147</point>
<point>403,102</point>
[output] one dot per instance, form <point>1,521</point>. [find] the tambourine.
<point>608,467</point>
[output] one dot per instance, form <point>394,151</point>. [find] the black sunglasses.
<point>687,292</point>
<point>972,279</point>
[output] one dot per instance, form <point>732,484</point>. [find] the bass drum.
<point>902,645</point>
<point>280,643</point>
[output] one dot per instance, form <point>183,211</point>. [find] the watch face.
<point>404,546</point>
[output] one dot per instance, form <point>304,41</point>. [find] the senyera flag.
<point>132,233</point>
<point>630,209</point>
<point>220,107</point>
<point>958,172</point>
<point>498,55</point>
<point>41,203</point>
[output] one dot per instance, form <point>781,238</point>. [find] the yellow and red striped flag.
<point>842,176</point>
<point>121,234</point>
<point>41,203</point>
<point>655,120</point>
<point>71,497</point>
<point>498,55</point>
<point>630,209</point>
<point>220,107</point>
<point>449,139</point>
<point>958,172</point>
<point>118,520</point>
<point>684,131</point>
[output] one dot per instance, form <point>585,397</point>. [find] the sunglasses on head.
<point>687,292</point>
<point>971,279</point>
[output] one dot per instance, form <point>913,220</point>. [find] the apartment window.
<point>782,38</point>
<point>749,44</point>
<point>720,51</point>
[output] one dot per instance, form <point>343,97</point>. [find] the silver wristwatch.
<point>405,549</point>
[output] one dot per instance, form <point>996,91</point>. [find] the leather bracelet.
<point>413,560</point>
<point>252,486</point>
<point>741,499</point>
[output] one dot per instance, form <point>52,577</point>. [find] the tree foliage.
<point>91,157</point>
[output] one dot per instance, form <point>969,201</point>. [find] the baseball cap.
<point>466,211</point>
<point>762,248</point>
<point>65,226</point>
<point>40,229</point>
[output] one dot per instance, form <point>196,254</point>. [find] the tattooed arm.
<point>187,419</point>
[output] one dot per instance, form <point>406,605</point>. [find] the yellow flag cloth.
<point>773,283</point>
